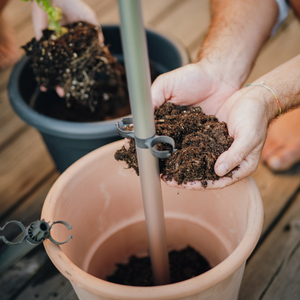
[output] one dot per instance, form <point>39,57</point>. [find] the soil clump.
<point>199,139</point>
<point>184,264</point>
<point>94,82</point>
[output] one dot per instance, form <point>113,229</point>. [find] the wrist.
<point>222,72</point>
<point>260,91</point>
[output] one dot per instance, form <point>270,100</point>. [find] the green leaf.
<point>54,15</point>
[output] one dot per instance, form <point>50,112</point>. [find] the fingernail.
<point>274,162</point>
<point>223,169</point>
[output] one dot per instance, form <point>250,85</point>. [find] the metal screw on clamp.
<point>146,143</point>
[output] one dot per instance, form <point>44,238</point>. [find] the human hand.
<point>247,116</point>
<point>201,83</point>
<point>72,11</point>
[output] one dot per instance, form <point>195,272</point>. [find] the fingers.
<point>39,19</point>
<point>60,91</point>
<point>283,159</point>
<point>243,153</point>
<point>73,11</point>
<point>159,91</point>
<point>180,86</point>
<point>77,10</point>
<point>127,143</point>
<point>282,148</point>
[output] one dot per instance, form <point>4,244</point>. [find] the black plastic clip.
<point>149,143</point>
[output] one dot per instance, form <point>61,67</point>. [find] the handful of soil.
<point>89,74</point>
<point>199,139</point>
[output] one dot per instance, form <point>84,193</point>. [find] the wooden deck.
<point>27,171</point>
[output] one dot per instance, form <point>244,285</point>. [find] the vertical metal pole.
<point>11,254</point>
<point>138,78</point>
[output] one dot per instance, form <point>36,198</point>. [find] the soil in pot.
<point>199,139</point>
<point>184,264</point>
<point>94,82</point>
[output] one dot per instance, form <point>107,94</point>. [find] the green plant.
<point>54,16</point>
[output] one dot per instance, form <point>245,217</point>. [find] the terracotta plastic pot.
<point>102,200</point>
<point>68,141</point>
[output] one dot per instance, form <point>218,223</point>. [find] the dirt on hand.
<point>199,139</point>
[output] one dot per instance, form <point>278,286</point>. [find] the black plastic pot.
<point>68,141</point>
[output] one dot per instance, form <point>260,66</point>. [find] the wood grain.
<point>273,272</point>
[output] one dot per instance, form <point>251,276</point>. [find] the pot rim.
<point>67,129</point>
<point>171,291</point>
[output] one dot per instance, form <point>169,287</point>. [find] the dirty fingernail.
<point>223,169</point>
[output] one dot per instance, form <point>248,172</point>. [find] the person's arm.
<point>238,31</point>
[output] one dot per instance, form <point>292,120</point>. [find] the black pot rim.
<point>67,129</point>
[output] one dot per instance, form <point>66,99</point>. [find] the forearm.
<point>284,81</point>
<point>238,30</point>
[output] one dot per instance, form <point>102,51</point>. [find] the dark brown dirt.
<point>199,139</point>
<point>184,264</point>
<point>90,75</point>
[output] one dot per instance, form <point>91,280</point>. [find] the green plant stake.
<point>54,17</point>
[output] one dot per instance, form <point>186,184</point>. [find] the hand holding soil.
<point>199,140</point>
<point>193,85</point>
<point>72,11</point>
<point>90,76</point>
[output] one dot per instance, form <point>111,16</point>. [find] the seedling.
<point>54,17</point>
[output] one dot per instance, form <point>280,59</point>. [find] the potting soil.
<point>184,264</point>
<point>92,79</point>
<point>94,82</point>
<point>199,139</point>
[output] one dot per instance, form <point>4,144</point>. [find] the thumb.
<point>234,156</point>
<point>158,93</point>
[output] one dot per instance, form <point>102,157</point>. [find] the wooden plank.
<point>196,18</point>
<point>17,276</point>
<point>150,10</point>
<point>279,50</point>
<point>156,10</point>
<point>30,209</point>
<point>24,164</point>
<point>4,77</point>
<point>14,279</point>
<point>17,12</point>
<point>48,284</point>
<point>10,123</point>
<point>273,272</point>
<point>276,189</point>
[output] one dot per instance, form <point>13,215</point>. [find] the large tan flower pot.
<point>102,200</point>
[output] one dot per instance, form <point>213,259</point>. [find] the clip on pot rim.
<point>35,233</point>
<point>148,143</point>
